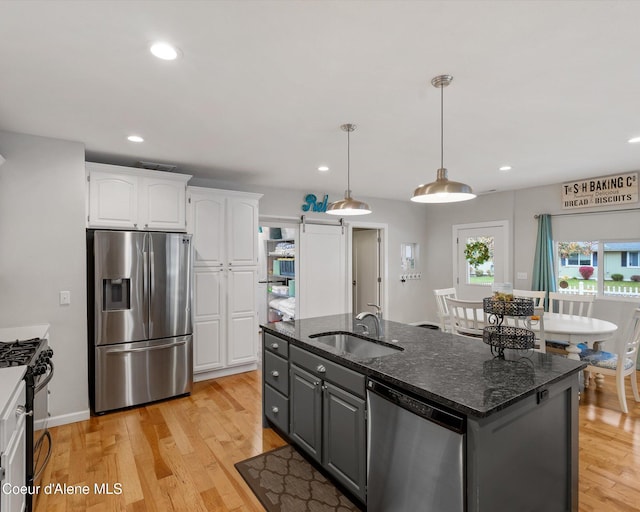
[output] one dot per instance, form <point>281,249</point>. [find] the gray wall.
<point>42,228</point>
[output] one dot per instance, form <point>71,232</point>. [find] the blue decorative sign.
<point>312,205</point>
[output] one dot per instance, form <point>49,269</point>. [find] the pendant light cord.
<point>348,164</point>
<point>441,126</point>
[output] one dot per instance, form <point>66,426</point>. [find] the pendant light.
<point>348,205</point>
<point>442,190</point>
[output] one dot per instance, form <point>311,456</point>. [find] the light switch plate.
<point>65,298</point>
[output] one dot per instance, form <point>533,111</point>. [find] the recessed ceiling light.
<point>135,138</point>
<point>323,168</point>
<point>505,168</point>
<point>634,140</point>
<point>164,51</point>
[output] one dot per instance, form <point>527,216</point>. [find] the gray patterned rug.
<point>284,481</point>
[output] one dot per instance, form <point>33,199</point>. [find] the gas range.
<point>25,352</point>
<point>37,357</point>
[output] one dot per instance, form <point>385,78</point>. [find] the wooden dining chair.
<point>467,317</point>
<point>537,296</point>
<point>443,311</point>
<point>621,364</point>
<point>580,305</point>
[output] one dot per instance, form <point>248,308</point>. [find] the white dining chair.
<point>569,304</point>
<point>443,311</point>
<point>580,305</point>
<point>535,323</point>
<point>467,317</point>
<point>622,364</point>
<point>537,296</point>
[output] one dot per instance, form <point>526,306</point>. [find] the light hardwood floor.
<point>179,455</point>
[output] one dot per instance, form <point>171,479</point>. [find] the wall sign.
<point>603,191</point>
<point>311,203</point>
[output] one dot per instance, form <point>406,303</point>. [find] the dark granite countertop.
<point>460,373</point>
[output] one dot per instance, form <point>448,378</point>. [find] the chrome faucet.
<point>378,309</point>
<point>376,321</point>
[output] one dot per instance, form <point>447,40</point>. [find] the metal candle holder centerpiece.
<point>500,336</point>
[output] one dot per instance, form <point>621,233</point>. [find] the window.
<point>617,275</point>
<point>630,259</point>
<point>577,260</point>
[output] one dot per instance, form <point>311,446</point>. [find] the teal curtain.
<point>544,276</point>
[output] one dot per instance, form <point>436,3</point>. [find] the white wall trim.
<point>224,372</point>
<point>64,419</point>
<point>383,228</point>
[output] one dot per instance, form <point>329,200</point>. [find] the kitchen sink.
<point>357,346</point>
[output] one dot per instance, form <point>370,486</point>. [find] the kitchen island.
<point>518,429</point>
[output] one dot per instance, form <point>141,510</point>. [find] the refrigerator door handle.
<point>145,349</point>
<point>145,287</point>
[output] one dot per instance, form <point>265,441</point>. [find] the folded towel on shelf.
<point>287,306</point>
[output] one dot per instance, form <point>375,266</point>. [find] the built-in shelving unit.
<point>281,273</point>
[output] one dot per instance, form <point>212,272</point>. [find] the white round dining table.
<point>576,329</point>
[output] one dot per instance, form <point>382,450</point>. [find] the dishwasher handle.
<point>420,407</point>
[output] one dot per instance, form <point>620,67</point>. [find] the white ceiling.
<point>550,88</point>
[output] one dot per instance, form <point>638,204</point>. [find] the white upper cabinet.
<point>224,225</point>
<point>163,204</point>
<point>113,200</point>
<point>128,198</point>
<point>242,233</point>
<point>206,222</point>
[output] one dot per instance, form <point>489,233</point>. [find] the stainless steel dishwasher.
<point>415,454</point>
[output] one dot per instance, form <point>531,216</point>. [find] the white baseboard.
<point>223,372</point>
<point>63,419</point>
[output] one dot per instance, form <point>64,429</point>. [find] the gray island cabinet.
<point>320,406</point>
<point>519,414</point>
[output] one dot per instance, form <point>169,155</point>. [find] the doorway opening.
<point>367,269</point>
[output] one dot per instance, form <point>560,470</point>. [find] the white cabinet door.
<point>322,287</point>
<point>206,222</point>
<point>13,459</point>
<point>243,320</point>
<point>208,319</point>
<point>242,231</point>
<point>162,204</point>
<point>113,200</point>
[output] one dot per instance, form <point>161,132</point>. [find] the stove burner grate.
<point>19,352</point>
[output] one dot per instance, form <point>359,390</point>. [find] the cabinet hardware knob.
<point>275,373</point>
<point>146,225</point>
<point>135,225</point>
<point>321,368</point>
<point>315,384</point>
<point>275,410</point>
<point>324,388</point>
<point>21,410</point>
<point>274,346</point>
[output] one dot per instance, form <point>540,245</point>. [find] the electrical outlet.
<point>522,275</point>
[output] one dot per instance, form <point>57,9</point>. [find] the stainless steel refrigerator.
<point>140,333</point>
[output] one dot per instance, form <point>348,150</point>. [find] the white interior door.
<point>322,283</point>
<point>366,269</point>
<point>473,283</point>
